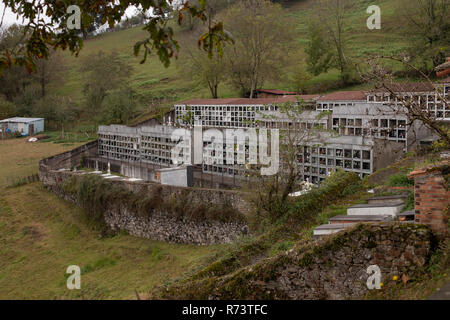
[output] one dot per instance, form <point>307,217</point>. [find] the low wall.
<point>157,224</point>
<point>70,158</point>
<point>334,268</point>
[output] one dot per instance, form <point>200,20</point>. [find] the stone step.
<point>376,209</point>
<point>358,218</point>
<point>326,229</point>
<point>406,216</point>
<point>387,199</point>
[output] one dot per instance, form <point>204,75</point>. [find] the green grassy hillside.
<point>152,79</point>
<point>41,235</point>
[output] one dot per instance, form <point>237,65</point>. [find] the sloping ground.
<point>334,268</point>
<point>19,158</point>
<point>249,262</point>
<point>41,235</point>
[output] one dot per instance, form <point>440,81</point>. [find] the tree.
<point>213,7</point>
<point>195,64</point>
<point>426,25</point>
<point>48,71</point>
<point>300,79</point>
<point>333,15</point>
<point>119,107</point>
<point>414,106</point>
<point>103,73</point>
<point>262,43</point>
<point>56,34</point>
<point>57,111</point>
<point>14,80</point>
<point>270,193</point>
<point>7,109</point>
<point>319,53</point>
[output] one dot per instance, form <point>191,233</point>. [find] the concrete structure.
<point>362,155</point>
<point>341,219</point>
<point>387,199</point>
<point>26,126</point>
<point>377,210</point>
<point>368,133</point>
<point>179,176</point>
<point>391,209</point>
<point>327,229</point>
<point>141,144</point>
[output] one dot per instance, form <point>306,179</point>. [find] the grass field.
<point>153,80</point>
<point>42,235</point>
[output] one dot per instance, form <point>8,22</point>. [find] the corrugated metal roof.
<point>19,119</point>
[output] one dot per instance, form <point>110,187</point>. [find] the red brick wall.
<point>431,200</point>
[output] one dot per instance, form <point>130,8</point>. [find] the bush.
<point>400,180</point>
<point>97,195</point>
<point>7,109</point>
<point>339,185</point>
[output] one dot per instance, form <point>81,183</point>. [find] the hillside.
<point>42,235</point>
<point>153,80</point>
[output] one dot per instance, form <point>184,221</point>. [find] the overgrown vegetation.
<point>270,239</point>
<point>98,195</point>
<point>400,180</point>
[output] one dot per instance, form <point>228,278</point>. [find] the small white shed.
<point>26,126</point>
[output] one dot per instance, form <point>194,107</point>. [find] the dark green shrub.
<point>400,180</point>
<point>338,185</point>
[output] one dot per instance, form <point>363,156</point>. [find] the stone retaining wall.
<point>333,268</point>
<point>156,225</point>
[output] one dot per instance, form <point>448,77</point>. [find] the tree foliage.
<point>196,65</point>
<point>262,42</point>
<point>103,73</point>
<point>329,38</point>
<point>119,107</point>
<point>426,25</point>
<point>15,81</point>
<point>318,51</point>
<point>53,32</point>
<point>49,71</point>
<point>7,109</point>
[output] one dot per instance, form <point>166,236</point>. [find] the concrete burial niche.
<point>180,176</point>
<point>390,209</point>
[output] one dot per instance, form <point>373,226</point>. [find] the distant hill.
<point>153,80</point>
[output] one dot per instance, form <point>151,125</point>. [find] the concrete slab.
<point>358,218</point>
<point>442,293</point>
<point>327,229</point>
<point>376,209</point>
<point>387,199</point>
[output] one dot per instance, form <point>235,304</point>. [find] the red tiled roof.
<point>407,87</point>
<point>247,101</point>
<point>446,80</point>
<point>445,65</point>
<point>344,96</point>
<point>277,92</point>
